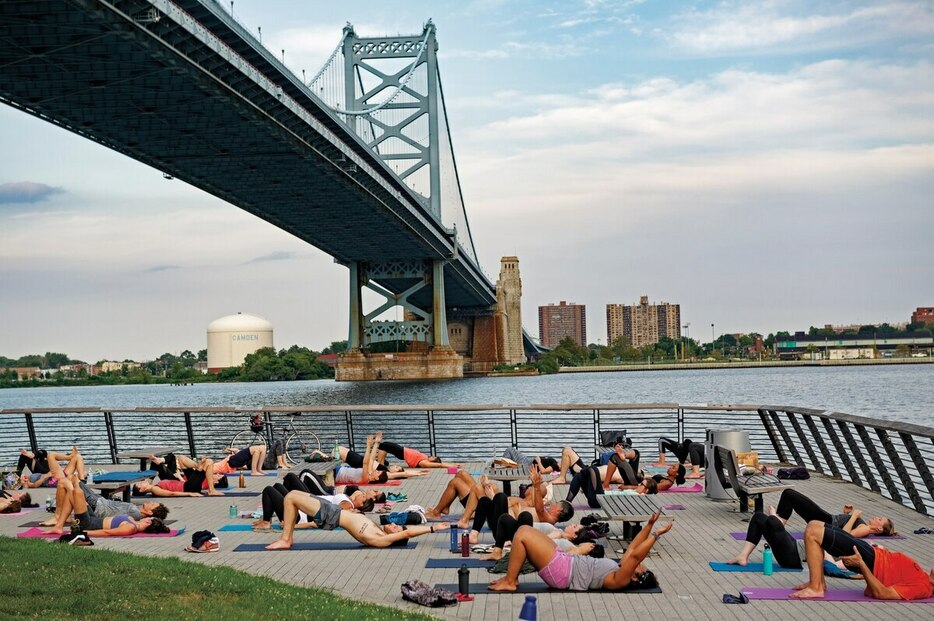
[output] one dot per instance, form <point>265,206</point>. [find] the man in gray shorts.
<point>329,516</point>
<point>105,507</point>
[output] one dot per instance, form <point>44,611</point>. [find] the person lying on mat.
<point>114,526</point>
<point>571,462</point>
<point>773,530</point>
<point>194,478</point>
<point>560,570</point>
<point>888,575</point>
<point>328,516</point>
<point>13,502</point>
<point>104,507</point>
<point>513,457</point>
<point>363,469</point>
<point>622,465</point>
<point>308,481</point>
<point>686,451</point>
<point>588,481</point>
<point>673,476</point>
<point>458,488</point>
<point>252,456</point>
<point>793,501</point>
<point>412,457</point>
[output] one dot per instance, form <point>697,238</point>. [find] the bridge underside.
<point>153,92</point>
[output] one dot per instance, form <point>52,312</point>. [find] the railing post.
<point>920,464</point>
<point>831,463</point>
<point>804,442</point>
<point>900,469</point>
<point>877,461</point>
<point>111,436</point>
<point>514,424</point>
<point>786,437</point>
<point>769,429</point>
<point>270,432</point>
<point>844,455</point>
<point>31,430</point>
<point>191,436</point>
<point>860,458</point>
<point>348,419</point>
<point>680,424</point>
<point>596,431</point>
<point>431,432</point>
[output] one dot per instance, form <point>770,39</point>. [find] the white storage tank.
<point>232,338</point>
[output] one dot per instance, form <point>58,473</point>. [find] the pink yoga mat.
<point>697,487</point>
<point>393,483</point>
<point>847,595</point>
<point>799,536</point>
<point>38,533</point>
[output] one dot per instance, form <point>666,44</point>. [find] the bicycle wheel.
<point>300,444</point>
<point>247,438</point>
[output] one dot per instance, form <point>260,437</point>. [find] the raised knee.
<point>815,528</point>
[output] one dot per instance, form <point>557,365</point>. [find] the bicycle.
<point>298,442</point>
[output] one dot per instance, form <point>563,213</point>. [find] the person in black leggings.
<point>36,462</point>
<point>684,451</point>
<point>588,481</point>
<point>411,457</point>
<point>793,501</point>
<point>782,543</point>
<point>495,513</point>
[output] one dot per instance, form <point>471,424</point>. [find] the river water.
<point>903,393</point>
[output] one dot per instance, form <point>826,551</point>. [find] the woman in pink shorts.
<point>560,570</point>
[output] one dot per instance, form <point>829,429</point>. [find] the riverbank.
<point>745,364</point>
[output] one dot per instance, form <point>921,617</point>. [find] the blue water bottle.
<point>455,546</point>
<point>767,560</point>
<point>529,610</point>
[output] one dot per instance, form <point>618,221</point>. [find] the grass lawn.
<point>45,580</point>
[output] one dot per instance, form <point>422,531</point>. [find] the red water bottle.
<point>465,545</point>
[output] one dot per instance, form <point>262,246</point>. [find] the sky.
<point>766,164</point>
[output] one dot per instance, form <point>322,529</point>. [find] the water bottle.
<point>336,455</point>
<point>454,545</point>
<point>529,610</point>
<point>767,560</point>
<point>233,512</point>
<point>463,580</point>
<point>48,503</point>
<point>90,477</point>
<point>465,545</point>
<point>242,481</point>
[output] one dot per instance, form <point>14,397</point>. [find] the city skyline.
<point>767,164</point>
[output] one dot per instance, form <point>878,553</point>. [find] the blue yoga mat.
<point>123,475</point>
<point>750,568</point>
<point>454,563</point>
<point>316,545</point>
<point>226,495</point>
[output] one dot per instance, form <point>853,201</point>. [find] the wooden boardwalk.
<point>692,591</point>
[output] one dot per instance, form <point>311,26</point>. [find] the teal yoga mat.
<point>750,568</point>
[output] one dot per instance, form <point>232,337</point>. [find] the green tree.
<point>202,355</point>
<point>336,347</point>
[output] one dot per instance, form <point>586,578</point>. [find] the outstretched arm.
<point>535,475</point>
<point>636,553</point>
<point>387,540</point>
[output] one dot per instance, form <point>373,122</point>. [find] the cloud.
<point>26,192</point>
<point>163,268</point>
<point>786,27</point>
<point>279,255</point>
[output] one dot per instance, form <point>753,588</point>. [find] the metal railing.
<point>891,458</point>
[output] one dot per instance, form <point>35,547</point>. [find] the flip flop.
<point>734,599</point>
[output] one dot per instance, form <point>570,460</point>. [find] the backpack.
<point>795,474</point>
<point>420,593</point>
<point>203,541</point>
<point>76,538</point>
<point>612,438</point>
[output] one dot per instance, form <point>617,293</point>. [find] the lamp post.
<point>712,339</point>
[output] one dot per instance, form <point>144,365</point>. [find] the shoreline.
<point>749,364</point>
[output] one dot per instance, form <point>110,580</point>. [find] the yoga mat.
<point>39,524</point>
<point>123,475</point>
<point>798,536</point>
<point>829,596</point>
<point>585,508</point>
<point>38,533</point>
<point>750,568</point>
<point>247,528</point>
<point>317,545</point>
<point>697,487</point>
<point>226,495</point>
<point>673,507</point>
<point>25,511</point>
<point>456,562</point>
<point>236,473</point>
<point>537,587</point>
<point>392,483</point>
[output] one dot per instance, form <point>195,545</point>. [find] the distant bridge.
<point>357,162</point>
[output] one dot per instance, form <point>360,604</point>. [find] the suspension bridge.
<point>357,160</point>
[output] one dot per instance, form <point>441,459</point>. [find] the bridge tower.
<point>404,129</point>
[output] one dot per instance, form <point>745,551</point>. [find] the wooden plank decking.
<point>691,590</point>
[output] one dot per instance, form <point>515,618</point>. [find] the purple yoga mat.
<point>847,595</point>
<point>694,489</point>
<point>798,536</point>
<point>38,533</point>
<point>673,507</point>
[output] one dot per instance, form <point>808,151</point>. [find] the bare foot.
<point>738,560</point>
<point>694,476</point>
<point>49,522</point>
<point>495,555</point>
<point>433,514</point>
<point>28,454</point>
<point>257,473</point>
<point>215,493</point>
<point>503,584</point>
<point>262,524</point>
<point>560,481</point>
<point>807,593</point>
<point>463,524</point>
<point>55,531</point>
<point>473,537</point>
<point>772,511</point>
<point>280,544</point>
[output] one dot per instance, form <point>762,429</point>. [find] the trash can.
<point>736,439</point>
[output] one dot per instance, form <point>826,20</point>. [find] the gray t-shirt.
<point>563,544</point>
<point>840,520</point>
<point>104,507</point>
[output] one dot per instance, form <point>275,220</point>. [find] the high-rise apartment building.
<point>643,323</point>
<point>555,322</point>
